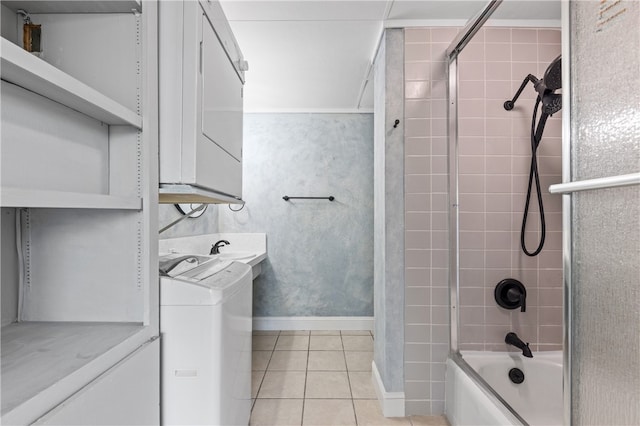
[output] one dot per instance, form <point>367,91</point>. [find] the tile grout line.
<point>266,368</point>
<point>304,391</point>
<point>344,355</point>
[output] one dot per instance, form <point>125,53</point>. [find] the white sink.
<point>237,255</point>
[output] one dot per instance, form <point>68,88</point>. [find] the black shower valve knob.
<point>511,294</point>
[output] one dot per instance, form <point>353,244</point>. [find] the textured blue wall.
<point>320,253</point>
<point>205,224</point>
<point>388,351</point>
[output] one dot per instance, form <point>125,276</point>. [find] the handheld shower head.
<point>551,103</point>
<point>552,81</point>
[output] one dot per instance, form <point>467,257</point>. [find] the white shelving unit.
<point>38,355</point>
<point>30,72</point>
<point>15,197</point>
<point>75,6</point>
<point>80,182</point>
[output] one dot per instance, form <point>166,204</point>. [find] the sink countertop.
<point>254,243</point>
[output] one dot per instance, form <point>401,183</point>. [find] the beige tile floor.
<point>318,378</point>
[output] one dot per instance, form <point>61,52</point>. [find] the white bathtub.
<point>538,399</point>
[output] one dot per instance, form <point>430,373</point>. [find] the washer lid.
<point>203,271</point>
<point>209,284</point>
<point>176,264</point>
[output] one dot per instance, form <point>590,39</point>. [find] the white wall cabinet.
<point>201,88</point>
<point>79,179</point>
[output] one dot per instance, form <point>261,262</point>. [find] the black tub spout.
<point>514,340</point>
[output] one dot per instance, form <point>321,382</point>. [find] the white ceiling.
<point>315,55</point>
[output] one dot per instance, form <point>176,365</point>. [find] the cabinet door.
<point>221,95</point>
<point>218,156</point>
<point>128,394</point>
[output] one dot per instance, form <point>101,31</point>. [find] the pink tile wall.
<point>493,163</point>
<point>426,219</point>
<point>494,160</point>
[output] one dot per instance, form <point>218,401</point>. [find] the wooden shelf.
<point>41,361</point>
<point>183,193</point>
<point>32,73</point>
<point>16,197</point>
<point>73,6</point>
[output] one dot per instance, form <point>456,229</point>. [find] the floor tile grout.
<point>344,356</point>
<point>304,391</point>
<point>265,371</point>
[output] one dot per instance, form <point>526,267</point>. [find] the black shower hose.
<point>536,136</point>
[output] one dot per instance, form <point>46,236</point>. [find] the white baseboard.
<point>313,323</point>
<point>391,403</point>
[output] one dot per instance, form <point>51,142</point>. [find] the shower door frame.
<point>566,213</point>
<point>454,49</point>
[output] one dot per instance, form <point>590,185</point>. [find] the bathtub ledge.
<point>468,404</point>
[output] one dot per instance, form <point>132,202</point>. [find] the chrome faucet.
<point>513,339</point>
<point>215,249</point>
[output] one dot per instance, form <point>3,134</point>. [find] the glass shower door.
<point>602,259</point>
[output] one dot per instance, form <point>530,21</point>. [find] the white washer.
<point>205,325</point>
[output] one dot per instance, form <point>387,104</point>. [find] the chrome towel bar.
<point>599,183</point>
